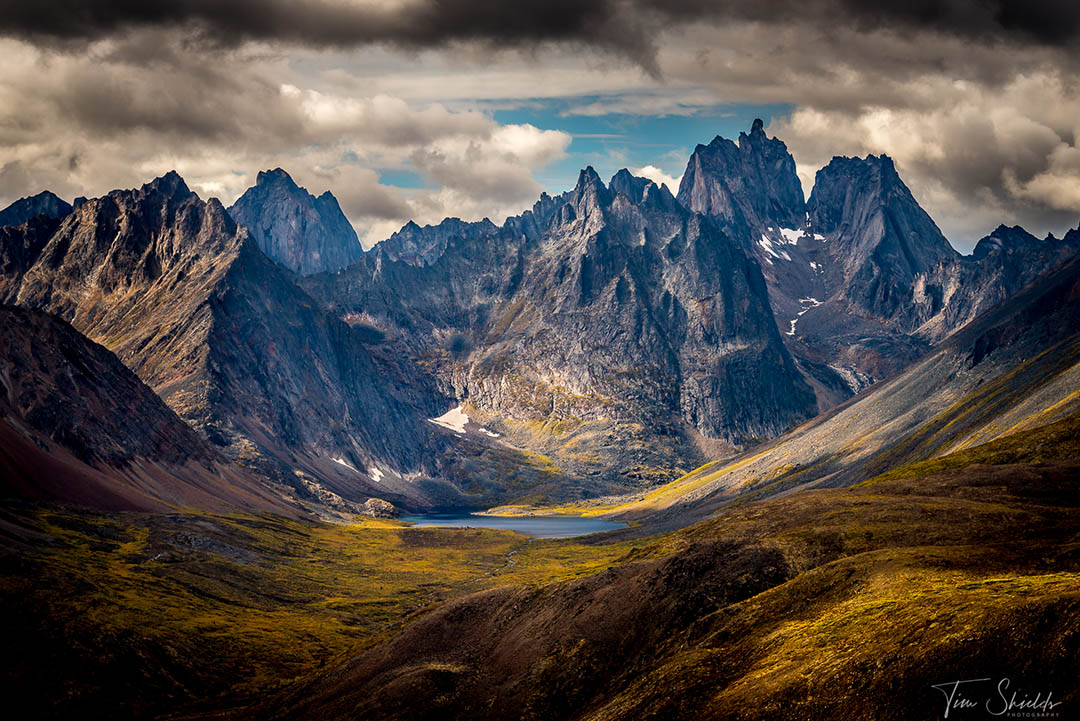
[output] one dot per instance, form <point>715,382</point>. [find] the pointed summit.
<point>301,232</point>
<point>277,176</point>
<point>750,185</point>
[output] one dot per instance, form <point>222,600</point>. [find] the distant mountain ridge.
<point>301,232</point>
<point>178,291</point>
<point>610,310</point>
<point>44,203</point>
<point>603,342</point>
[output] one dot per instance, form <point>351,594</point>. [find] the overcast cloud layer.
<point>977,101</point>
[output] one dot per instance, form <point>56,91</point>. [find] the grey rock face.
<point>44,203</point>
<point>880,238</point>
<point>185,299</point>
<point>607,303</point>
<point>301,232</point>
<point>861,280</point>
<point>750,185</point>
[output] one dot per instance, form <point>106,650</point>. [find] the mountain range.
<point>604,342</point>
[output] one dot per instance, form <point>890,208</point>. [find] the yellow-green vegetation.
<point>839,604</point>
<point>669,493</point>
<point>220,609</point>
<point>1054,442</point>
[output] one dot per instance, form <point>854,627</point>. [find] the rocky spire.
<point>749,185</point>
<point>301,232</point>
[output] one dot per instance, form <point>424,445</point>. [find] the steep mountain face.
<point>861,280</point>
<point>879,237</point>
<point>79,427</point>
<point>44,203</point>
<point>607,308</point>
<point>304,233</point>
<point>20,246</point>
<point>177,290</point>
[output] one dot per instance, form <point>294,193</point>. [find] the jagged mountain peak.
<point>170,185</point>
<point>588,181</point>
<point>750,185</point>
<point>1003,237</point>
<point>628,184</point>
<point>304,233</point>
<point>275,176</point>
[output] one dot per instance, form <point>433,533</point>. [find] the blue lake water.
<point>536,526</point>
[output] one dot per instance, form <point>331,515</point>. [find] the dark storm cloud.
<point>624,26</point>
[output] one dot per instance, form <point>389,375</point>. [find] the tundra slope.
<point>825,604</point>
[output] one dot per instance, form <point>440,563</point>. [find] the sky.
<point>423,109</point>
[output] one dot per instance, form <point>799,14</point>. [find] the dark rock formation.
<point>185,299</point>
<point>611,306</point>
<point>861,280</point>
<point>751,184</point>
<point>304,233</point>
<point>44,203</point>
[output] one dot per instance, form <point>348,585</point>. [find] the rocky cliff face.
<point>301,232</point>
<point>879,236</point>
<point>79,427</point>
<point>44,203</point>
<point>861,280</point>
<point>751,184</point>
<point>610,306</point>
<point>184,298</point>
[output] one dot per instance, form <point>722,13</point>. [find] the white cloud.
<point>658,176</point>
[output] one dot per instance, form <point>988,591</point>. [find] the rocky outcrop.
<point>44,203</point>
<point>750,185</point>
<point>301,232</point>
<point>861,280</point>
<point>879,237</point>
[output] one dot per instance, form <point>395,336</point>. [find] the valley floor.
<point>831,604</point>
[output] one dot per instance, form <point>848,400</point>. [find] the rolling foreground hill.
<point>827,604</point>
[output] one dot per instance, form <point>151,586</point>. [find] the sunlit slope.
<point>825,604</point>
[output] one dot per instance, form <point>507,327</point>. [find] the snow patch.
<point>814,266</point>
<point>454,419</point>
<point>767,244</point>
<point>791,237</point>
<point>807,304</point>
<point>376,474</point>
<point>343,462</point>
<point>491,434</point>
